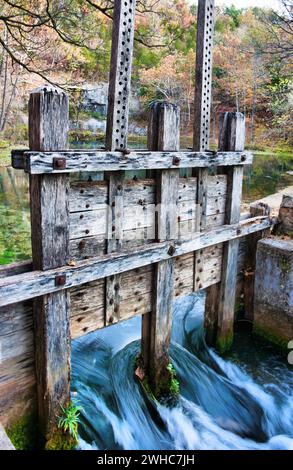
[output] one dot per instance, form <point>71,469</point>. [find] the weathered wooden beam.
<point>48,130</point>
<point>220,303</point>
<point>76,160</point>
<point>156,326</point>
<point>33,284</point>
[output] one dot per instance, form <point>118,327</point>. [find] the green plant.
<point>174,384</point>
<point>70,419</point>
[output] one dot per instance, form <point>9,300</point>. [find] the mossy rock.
<point>23,432</point>
<point>165,389</point>
<point>271,336</point>
<point>224,343</point>
<point>61,441</point>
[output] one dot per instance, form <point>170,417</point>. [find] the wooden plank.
<point>80,161</point>
<point>48,129</point>
<point>156,326</point>
<point>221,298</point>
<point>114,244</point>
<point>18,267</point>
<point>29,285</point>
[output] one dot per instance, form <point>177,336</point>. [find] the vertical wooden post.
<point>220,298</point>
<point>256,209</point>
<point>156,327</point>
<point>116,136</point>
<point>48,130</point>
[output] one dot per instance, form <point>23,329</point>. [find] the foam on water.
<point>221,405</point>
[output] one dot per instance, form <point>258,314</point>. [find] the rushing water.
<point>242,402</point>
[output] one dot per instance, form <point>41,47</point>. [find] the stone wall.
<point>273,304</point>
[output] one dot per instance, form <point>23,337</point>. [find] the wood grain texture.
<point>223,296</point>
<point>156,326</point>
<point>99,161</point>
<point>48,119</point>
<point>29,285</point>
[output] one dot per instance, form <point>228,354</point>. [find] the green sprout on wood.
<point>70,419</point>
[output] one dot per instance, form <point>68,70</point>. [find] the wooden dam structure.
<point>161,223</point>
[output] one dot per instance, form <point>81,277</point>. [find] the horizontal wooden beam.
<point>74,161</point>
<point>29,285</point>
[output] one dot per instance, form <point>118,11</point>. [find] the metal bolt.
<point>126,151</point>
<point>119,187</point>
<point>111,301</point>
<point>243,158</point>
<point>60,280</point>
<point>113,204</point>
<point>116,287</point>
<point>59,163</point>
<point>111,319</point>
<point>238,231</point>
<point>81,244</point>
<point>176,160</point>
<point>171,250</point>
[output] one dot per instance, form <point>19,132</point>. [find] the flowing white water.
<point>223,405</point>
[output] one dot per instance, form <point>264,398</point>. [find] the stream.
<point>241,402</point>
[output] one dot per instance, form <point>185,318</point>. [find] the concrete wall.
<point>273,304</point>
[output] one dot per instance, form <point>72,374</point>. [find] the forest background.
<point>68,42</point>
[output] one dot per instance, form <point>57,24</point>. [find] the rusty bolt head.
<point>119,187</point>
<point>59,163</point>
<point>243,158</point>
<point>111,319</point>
<point>60,280</point>
<point>81,244</point>
<point>111,301</point>
<point>176,160</point>
<point>171,250</point>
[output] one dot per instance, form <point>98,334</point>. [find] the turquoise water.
<point>241,402</point>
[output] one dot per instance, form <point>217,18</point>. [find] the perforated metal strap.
<point>120,74</point>
<point>203,90</point>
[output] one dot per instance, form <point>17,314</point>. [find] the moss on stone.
<point>23,432</point>
<point>61,441</point>
<point>285,265</point>
<point>224,343</point>
<point>271,336</point>
<point>165,389</point>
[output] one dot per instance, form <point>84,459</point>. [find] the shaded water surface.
<point>242,402</point>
